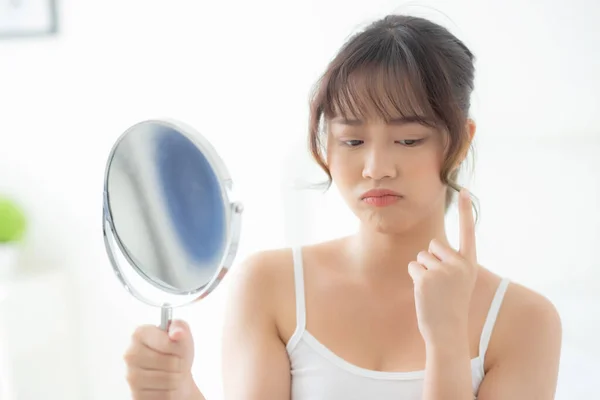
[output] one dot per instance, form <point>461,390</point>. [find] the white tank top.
<point>319,374</point>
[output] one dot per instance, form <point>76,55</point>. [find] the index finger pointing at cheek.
<point>467,227</point>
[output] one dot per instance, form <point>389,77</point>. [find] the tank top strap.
<point>300,300</point>
<point>492,315</point>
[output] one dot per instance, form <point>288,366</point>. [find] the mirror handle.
<point>166,315</point>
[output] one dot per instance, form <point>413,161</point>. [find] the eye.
<point>410,142</point>
<point>353,143</point>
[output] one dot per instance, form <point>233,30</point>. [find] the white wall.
<point>240,73</point>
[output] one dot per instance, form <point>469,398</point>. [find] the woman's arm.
<point>526,355</point>
<point>448,370</point>
<point>255,362</point>
<point>527,352</point>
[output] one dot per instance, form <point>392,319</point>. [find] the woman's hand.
<point>159,363</point>
<point>443,283</point>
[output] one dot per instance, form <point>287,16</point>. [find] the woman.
<point>392,312</point>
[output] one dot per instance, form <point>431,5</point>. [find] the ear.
<point>470,128</point>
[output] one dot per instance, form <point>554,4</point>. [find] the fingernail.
<point>174,331</point>
<point>465,194</point>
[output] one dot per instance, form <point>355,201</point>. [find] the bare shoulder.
<point>528,325</point>
<point>533,312</point>
<point>266,264</point>
<point>264,284</point>
<point>276,265</point>
<point>523,357</point>
<point>259,274</point>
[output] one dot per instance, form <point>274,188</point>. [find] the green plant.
<point>12,221</point>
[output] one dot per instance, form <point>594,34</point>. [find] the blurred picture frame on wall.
<point>28,18</point>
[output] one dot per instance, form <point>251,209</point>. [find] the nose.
<point>379,164</point>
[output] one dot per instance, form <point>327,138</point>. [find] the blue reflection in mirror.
<point>193,196</point>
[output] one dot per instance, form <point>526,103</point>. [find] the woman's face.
<point>401,156</point>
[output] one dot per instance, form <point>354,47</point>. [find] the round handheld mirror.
<point>171,225</point>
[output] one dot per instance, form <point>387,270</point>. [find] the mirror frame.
<point>233,211</point>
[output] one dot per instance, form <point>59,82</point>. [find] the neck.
<point>380,254</point>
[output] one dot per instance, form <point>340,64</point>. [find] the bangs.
<point>387,87</point>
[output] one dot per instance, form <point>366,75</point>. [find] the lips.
<point>381,197</point>
<point>379,193</point>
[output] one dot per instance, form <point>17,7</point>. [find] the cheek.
<point>425,173</point>
<point>342,168</point>
<point>427,169</point>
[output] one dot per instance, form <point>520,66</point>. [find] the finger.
<point>150,394</point>
<point>181,337</point>
<point>416,270</point>
<point>141,356</point>
<point>179,330</point>
<point>467,227</point>
<point>428,260</point>
<point>156,339</point>
<point>442,252</point>
<point>153,380</point>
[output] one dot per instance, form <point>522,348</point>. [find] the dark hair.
<point>399,66</point>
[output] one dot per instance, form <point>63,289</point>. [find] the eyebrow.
<point>393,121</point>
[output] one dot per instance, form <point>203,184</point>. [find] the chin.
<point>387,223</point>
